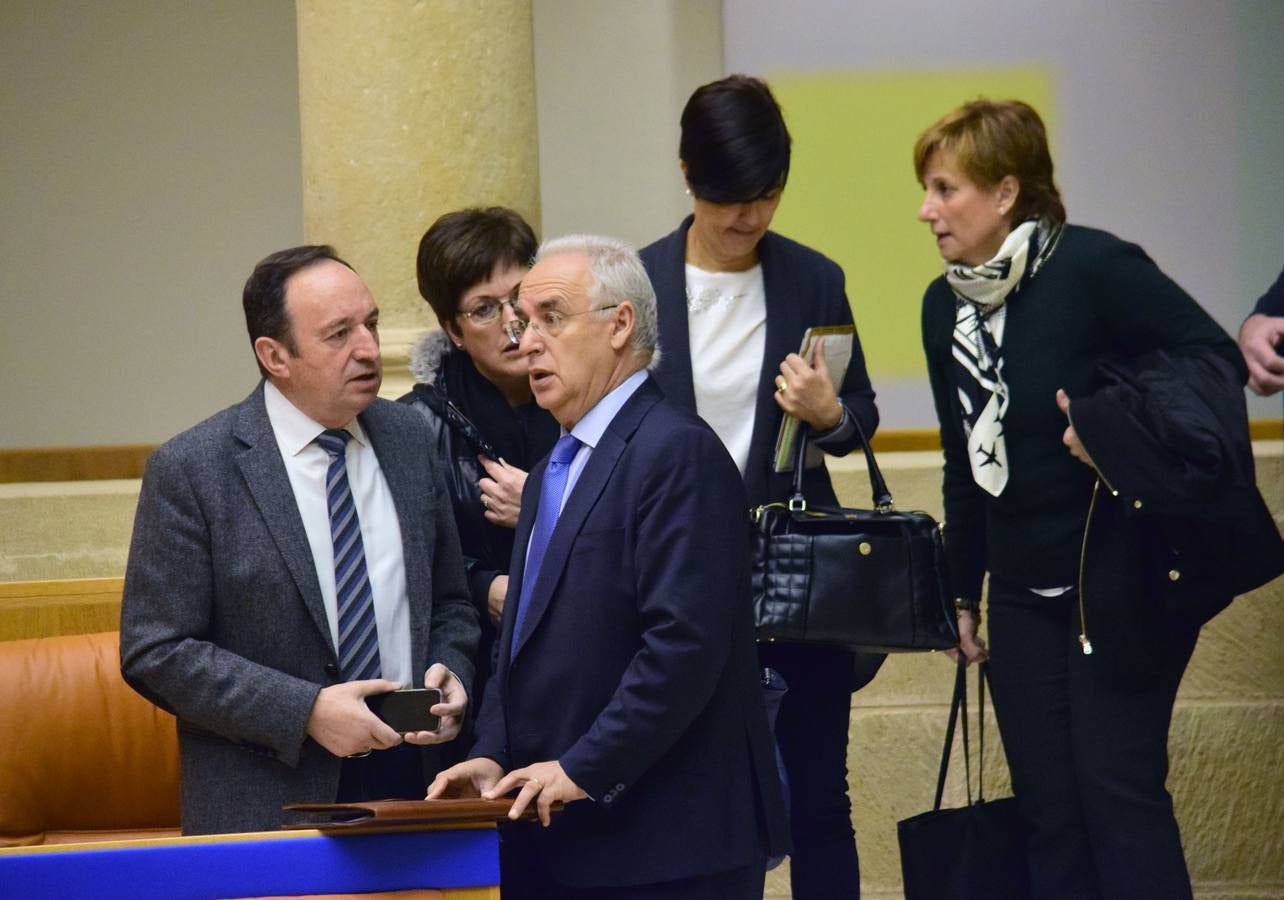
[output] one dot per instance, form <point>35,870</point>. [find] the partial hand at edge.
<point>1071,437</point>
<point>501,491</point>
<point>495,599</point>
<point>466,780</point>
<point>1259,339</point>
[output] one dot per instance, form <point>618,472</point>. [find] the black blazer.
<point>803,288</point>
<point>636,667</point>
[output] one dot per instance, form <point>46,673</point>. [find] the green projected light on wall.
<point>853,196</point>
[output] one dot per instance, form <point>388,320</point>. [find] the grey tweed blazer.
<point>222,621</point>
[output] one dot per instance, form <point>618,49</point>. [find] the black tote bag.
<point>974,851</point>
<point>856,578</point>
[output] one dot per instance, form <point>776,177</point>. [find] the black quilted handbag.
<point>857,578</point>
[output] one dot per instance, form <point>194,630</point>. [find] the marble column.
<point>409,110</point>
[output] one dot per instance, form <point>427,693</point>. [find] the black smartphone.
<point>407,710</point>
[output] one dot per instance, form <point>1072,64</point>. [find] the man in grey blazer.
<point>292,555</point>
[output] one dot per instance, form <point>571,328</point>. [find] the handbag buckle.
<point>798,503</point>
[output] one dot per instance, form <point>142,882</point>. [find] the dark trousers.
<point>811,732</point>
<point>394,774</point>
<point>523,875</point>
<point>1086,738</point>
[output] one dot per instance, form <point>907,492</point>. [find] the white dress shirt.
<point>727,324</point>
<point>589,430</point>
<point>306,463</point>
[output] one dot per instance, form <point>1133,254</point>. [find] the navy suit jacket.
<point>222,621</point>
<point>636,668</point>
<point>804,289</point>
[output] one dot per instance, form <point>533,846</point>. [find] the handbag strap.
<point>881,496</point>
<point>959,698</point>
<point>967,745</point>
<point>983,675</point>
<point>958,705</point>
<point>797,502</point>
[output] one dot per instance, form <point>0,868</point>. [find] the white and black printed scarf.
<point>980,310</point>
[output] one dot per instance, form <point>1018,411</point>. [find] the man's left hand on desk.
<point>545,782</point>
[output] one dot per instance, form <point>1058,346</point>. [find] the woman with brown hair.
<point>1029,313</point>
<point>473,390</point>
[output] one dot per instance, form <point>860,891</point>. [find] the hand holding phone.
<point>406,710</point>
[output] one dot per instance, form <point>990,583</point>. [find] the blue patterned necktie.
<point>550,508</point>
<point>358,634</point>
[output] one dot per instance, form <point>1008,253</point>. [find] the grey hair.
<point>618,277</point>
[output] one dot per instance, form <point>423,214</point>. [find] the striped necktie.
<point>358,634</point>
<point>550,508</point>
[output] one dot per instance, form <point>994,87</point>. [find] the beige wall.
<point>611,80</point>
<point>149,156</point>
<point>410,111</point>
<point>1166,121</point>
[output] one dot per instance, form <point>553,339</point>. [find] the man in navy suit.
<point>627,686</point>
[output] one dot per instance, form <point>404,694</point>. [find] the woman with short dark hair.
<point>1089,641</point>
<point>734,301</point>
<point>474,391</point>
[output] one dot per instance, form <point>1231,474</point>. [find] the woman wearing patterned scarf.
<point>1027,311</point>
